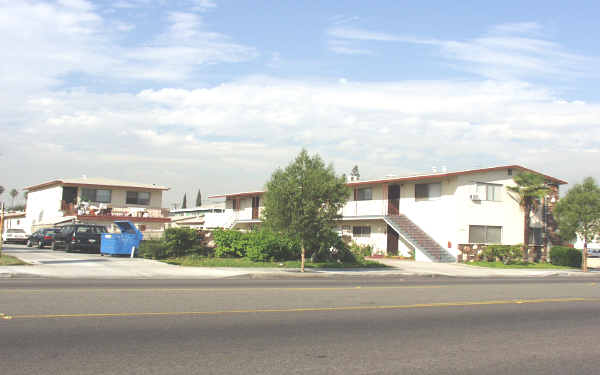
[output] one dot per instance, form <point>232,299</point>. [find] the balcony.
<point>105,212</point>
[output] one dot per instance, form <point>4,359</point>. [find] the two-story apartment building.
<point>429,215</point>
<point>97,201</point>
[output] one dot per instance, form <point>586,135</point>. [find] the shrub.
<point>565,256</point>
<point>230,243</point>
<point>176,242</point>
<point>180,241</point>
<point>506,253</point>
<point>267,245</point>
<point>153,249</point>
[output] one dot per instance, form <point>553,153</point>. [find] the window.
<point>236,204</point>
<point>138,197</point>
<point>364,194</point>
<point>485,234</point>
<point>361,231</point>
<point>489,192</point>
<point>428,191</point>
<point>95,195</point>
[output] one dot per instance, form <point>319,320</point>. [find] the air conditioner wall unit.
<point>475,197</point>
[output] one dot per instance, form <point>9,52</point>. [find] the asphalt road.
<point>382,326</point>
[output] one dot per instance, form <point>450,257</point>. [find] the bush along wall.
<point>565,256</point>
<point>175,242</point>
<point>258,245</point>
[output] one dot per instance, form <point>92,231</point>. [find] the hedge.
<point>259,245</point>
<point>565,256</point>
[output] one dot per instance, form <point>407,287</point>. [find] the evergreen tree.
<point>199,199</point>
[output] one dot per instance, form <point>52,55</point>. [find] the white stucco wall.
<point>245,210</point>
<point>43,205</point>
<point>505,213</point>
<point>376,206</point>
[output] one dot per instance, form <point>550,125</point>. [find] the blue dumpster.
<point>121,243</point>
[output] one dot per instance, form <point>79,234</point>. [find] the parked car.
<point>78,237</point>
<point>42,237</point>
<point>15,236</point>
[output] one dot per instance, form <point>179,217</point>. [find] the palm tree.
<point>13,195</point>
<point>530,189</point>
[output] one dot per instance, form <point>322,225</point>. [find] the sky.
<point>215,95</point>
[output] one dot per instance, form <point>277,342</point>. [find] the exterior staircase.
<point>418,238</point>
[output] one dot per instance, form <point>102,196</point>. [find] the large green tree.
<point>304,199</point>
<point>530,189</point>
<point>578,214</point>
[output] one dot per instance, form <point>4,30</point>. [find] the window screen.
<point>361,231</point>
<point>485,234</point>
<point>365,194</point>
<point>428,191</point>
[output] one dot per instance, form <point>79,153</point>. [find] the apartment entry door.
<point>392,241</point>
<point>255,205</point>
<point>393,200</point>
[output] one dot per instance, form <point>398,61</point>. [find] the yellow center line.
<point>305,309</point>
<point>218,289</point>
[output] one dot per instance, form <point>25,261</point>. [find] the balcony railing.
<point>103,210</point>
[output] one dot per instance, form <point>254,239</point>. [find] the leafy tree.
<point>184,204</point>
<point>304,199</point>
<point>578,214</point>
<point>13,195</point>
<point>530,188</point>
<point>199,199</point>
<point>355,173</point>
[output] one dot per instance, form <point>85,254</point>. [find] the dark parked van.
<point>78,237</point>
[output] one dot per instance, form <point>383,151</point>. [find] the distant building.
<point>196,211</point>
<point>14,220</point>
<point>96,201</point>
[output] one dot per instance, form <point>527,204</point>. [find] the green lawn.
<point>7,260</point>
<point>197,261</point>
<point>517,265</point>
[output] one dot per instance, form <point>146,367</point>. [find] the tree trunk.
<point>302,258</point>
<point>526,234</point>
<point>584,267</point>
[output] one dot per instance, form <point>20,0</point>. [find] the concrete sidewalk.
<point>46,263</point>
<point>463,270</point>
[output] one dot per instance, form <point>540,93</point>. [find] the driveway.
<point>60,264</point>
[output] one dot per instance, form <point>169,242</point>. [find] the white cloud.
<point>246,128</point>
<point>507,51</point>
